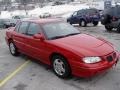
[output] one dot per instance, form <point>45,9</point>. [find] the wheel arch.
<point>56,53</point>
<point>82,19</point>
<point>9,40</point>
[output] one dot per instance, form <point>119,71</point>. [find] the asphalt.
<point>37,76</point>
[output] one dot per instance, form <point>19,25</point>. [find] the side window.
<point>17,27</point>
<point>33,29</point>
<point>81,12</point>
<point>23,27</point>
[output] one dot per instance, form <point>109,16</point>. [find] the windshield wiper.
<point>72,34</point>
<point>56,37</point>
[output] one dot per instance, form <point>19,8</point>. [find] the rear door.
<point>94,15</point>
<point>20,35</point>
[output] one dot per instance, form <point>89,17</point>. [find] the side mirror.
<point>38,37</point>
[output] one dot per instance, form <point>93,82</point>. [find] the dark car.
<point>20,17</point>
<point>85,16</point>
<point>111,18</point>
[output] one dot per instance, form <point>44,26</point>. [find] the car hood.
<point>85,45</point>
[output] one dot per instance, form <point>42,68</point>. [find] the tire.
<point>60,66</point>
<point>106,20</point>
<point>13,49</point>
<point>83,23</point>
<point>95,23</point>
<point>108,28</point>
<point>118,28</point>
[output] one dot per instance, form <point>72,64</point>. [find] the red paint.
<point>73,48</point>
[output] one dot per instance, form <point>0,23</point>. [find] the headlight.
<point>91,59</point>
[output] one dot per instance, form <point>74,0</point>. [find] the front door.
<point>35,47</point>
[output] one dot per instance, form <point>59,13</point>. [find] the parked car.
<point>85,16</point>
<point>19,17</point>
<point>5,23</point>
<point>45,15</point>
<point>111,18</point>
<point>62,46</point>
<point>2,23</point>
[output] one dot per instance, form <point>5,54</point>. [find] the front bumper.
<point>87,72</point>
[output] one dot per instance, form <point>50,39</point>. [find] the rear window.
<point>113,11</point>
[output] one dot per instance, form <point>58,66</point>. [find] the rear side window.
<point>33,29</point>
<point>23,27</point>
<point>81,12</point>
<point>17,27</point>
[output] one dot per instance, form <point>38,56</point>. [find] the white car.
<point>45,15</point>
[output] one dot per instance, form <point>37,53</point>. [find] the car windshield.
<point>59,30</point>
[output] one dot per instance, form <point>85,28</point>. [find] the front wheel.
<point>83,23</point>
<point>69,22</point>
<point>60,66</point>
<point>13,49</point>
<point>95,23</point>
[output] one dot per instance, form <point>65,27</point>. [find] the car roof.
<point>43,21</point>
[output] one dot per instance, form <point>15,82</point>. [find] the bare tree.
<point>24,3</point>
<point>6,3</point>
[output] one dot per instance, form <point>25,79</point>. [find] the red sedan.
<point>62,46</point>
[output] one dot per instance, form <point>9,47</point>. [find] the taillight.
<point>114,18</point>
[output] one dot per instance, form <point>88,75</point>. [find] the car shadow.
<point>74,81</point>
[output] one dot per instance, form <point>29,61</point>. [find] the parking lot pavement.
<point>36,76</point>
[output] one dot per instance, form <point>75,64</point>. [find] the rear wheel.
<point>108,28</point>
<point>13,49</point>
<point>95,23</point>
<point>60,66</point>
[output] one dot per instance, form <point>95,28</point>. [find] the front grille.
<point>111,57</point>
